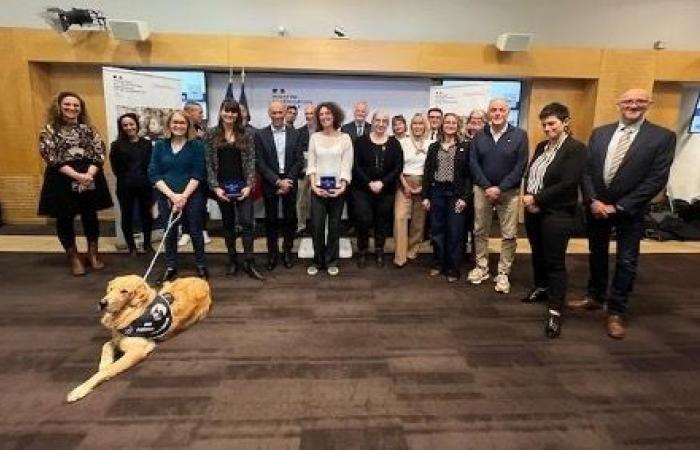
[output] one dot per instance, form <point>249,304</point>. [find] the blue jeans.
<point>446,229</point>
<point>192,216</point>
<point>628,232</point>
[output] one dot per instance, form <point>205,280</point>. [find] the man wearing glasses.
<point>628,164</point>
<point>435,121</point>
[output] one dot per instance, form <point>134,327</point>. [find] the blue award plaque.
<point>232,188</point>
<point>328,183</point>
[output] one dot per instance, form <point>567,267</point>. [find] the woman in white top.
<point>407,205</point>
<point>330,172</point>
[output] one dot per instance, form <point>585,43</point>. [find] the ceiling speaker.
<point>129,30</point>
<point>514,42</point>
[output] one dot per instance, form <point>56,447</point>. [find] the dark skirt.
<point>58,199</point>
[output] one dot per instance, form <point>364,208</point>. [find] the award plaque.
<point>328,183</point>
<point>232,188</point>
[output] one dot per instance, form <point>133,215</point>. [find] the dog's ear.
<point>141,294</point>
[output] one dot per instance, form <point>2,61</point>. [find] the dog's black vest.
<point>154,322</point>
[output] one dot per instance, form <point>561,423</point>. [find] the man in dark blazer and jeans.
<point>279,159</point>
<point>628,164</point>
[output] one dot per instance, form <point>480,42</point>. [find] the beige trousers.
<point>303,202</point>
<point>507,212</point>
<point>408,236</point>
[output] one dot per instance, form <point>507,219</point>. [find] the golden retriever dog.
<point>138,317</point>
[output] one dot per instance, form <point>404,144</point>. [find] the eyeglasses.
<point>634,101</point>
<point>434,117</point>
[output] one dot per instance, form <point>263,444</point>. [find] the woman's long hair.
<point>54,116</point>
<point>229,105</point>
<point>121,134</point>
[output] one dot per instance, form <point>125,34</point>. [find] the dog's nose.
<point>102,304</point>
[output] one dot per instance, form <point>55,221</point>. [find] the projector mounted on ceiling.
<point>61,20</point>
<point>129,30</point>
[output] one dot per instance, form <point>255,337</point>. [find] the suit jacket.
<point>351,129</point>
<point>642,173</point>
<point>561,182</point>
<point>463,179</point>
<point>266,158</point>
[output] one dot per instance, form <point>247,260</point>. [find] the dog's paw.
<point>77,393</point>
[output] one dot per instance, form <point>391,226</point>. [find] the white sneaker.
<point>477,275</point>
<point>502,283</point>
<point>207,239</point>
<point>184,240</point>
<point>312,271</point>
<point>333,270</point>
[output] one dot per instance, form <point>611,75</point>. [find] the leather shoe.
<point>552,327</point>
<point>169,275</point>
<point>586,303</point>
<point>616,326</point>
<point>362,260</point>
<point>232,269</point>
<point>287,260</point>
<point>203,273</point>
<point>380,259</point>
<point>535,295</point>
<point>250,269</point>
<point>272,262</point>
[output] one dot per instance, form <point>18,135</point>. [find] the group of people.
<point>437,168</point>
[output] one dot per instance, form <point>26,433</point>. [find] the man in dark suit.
<point>358,127</point>
<point>628,164</point>
<point>278,159</point>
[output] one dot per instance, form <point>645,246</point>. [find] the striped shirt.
<point>538,168</point>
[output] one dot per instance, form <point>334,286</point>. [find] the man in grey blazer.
<point>358,127</point>
<point>628,164</point>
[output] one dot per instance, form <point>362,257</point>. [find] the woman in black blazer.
<point>447,185</point>
<point>552,183</point>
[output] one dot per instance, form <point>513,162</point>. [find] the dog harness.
<point>154,322</point>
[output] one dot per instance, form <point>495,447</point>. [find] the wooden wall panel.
<point>573,94</point>
<point>667,103</point>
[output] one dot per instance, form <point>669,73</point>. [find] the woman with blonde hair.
<point>407,205</point>
<point>177,168</point>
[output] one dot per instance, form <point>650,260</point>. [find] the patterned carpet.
<point>373,359</point>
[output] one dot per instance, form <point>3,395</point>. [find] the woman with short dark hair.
<point>551,196</point>
<point>129,156</point>
<point>74,182</point>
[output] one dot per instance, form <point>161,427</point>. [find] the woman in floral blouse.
<point>74,183</point>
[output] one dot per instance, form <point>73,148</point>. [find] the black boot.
<point>362,259</point>
<point>250,269</point>
<point>232,267</point>
<point>380,257</point>
<point>552,327</point>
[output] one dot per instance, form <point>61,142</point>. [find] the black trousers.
<point>287,225</point>
<point>373,210</point>
<point>243,211</point>
<point>549,233</point>
<point>66,230</point>
<point>326,248</point>
<point>141,199</point>
<point>628,234</point>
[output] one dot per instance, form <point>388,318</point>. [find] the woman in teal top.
<point>177,168</point>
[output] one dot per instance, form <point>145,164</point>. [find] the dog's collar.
<point>155,320</point>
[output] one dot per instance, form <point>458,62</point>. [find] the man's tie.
<point>360,129</point>
<point>618,155</point>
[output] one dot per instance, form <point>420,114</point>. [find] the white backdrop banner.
<point>396,95</point>
<point>152,97</point>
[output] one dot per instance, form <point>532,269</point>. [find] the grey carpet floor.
<point>372,359</point>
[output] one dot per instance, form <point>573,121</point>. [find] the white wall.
<point>684,183</point>
<point>593,23</point>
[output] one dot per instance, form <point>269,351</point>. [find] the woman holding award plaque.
<point>329,169</point>
<point>74,182</point>
<point>230,158</point>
